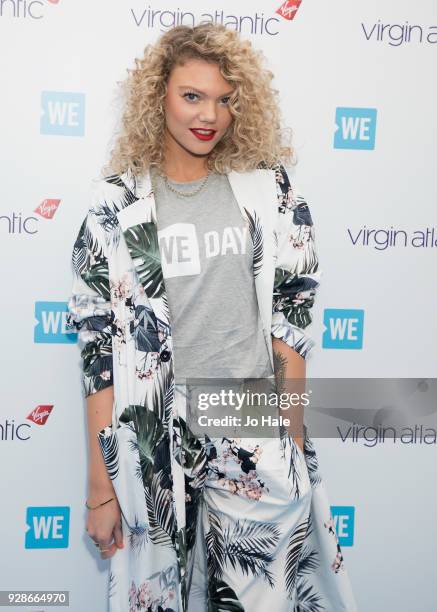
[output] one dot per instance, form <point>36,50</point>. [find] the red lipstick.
<point>204,135</point>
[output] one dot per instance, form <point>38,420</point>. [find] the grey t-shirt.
<point>206,255</point>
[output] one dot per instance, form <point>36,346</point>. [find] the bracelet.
<point>98,505</point>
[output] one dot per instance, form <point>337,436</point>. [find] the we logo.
<point>355,128</point>
<point>51,323</point>
<point>344,521</point>
<point>179,250</point>
<point>47,527</point>
<point>344,328</point>
<point>62,113</point>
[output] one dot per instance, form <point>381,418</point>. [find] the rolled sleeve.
<point>297,270</point>
<point>89,307</point>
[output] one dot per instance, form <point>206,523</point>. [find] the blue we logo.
<point>355,128</point>
<point>344,328</point>
<point>51,324</point>
<point>344,522</point>
<point>47,527</point>
<point>62,113</point>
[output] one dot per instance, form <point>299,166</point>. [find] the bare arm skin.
<point>99,415</point>
<point>103,524</point>
<point>289,365</point>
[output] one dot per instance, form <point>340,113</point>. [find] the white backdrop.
<point>338,59</point>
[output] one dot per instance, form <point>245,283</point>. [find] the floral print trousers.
<point>255,539</point>
<point>246,524</point>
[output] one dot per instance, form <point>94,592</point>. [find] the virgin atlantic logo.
<point>253,21</point>
<point>47,208</point>
<point>288,9</point>
<point>12,431</point>
<point>18,222</point>
<point>40,414</point>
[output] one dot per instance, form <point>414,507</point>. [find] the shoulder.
<point>109,194</point>
<point>283,178</point>
<point>114,185</point>
<point>291,200</point>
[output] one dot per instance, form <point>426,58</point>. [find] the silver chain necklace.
<point>186,194</point>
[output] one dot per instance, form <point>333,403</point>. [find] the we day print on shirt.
<point>180,247</point>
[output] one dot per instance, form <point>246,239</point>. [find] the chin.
<point>202,149</point>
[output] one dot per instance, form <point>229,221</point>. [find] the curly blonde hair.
<point>254,137</point>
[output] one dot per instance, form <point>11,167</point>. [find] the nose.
<point>208,113</point>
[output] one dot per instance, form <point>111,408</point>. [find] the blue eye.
<point>190,93</point>
<point>196,96</point>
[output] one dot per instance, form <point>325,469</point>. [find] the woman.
<point>197,195</point>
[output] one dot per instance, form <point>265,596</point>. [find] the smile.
<point>203,134</point>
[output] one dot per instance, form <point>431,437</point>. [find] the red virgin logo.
<point>47,208</point>
<point>40,414</point>
<point>288,9</point>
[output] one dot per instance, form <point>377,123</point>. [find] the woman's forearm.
<point>99,415</point>
<point>290,375</point>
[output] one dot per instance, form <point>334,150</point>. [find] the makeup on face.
<point>200,131</point>
<point>196,109</point>
<point>203,134</point>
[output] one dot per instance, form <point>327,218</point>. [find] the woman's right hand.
<point>103,525</point>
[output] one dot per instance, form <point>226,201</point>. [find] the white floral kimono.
<point>274,543</point>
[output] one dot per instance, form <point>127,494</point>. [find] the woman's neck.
<point>185,174</point>
<point>182,167</point>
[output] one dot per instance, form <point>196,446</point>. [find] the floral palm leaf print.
<point>128,188</point>
<point>97,360</point>
<point>294,549</point>
<point>162,521</point>
<point>247,484</point>
<point>256,234</point>
<point>110,447</point>
<point>337,563</point>
<point>168,403</point>
<point>90,262</point>
<point>145,330</point>
<point>222,598</point>
<point>142,242</point>
<point>107,219</point>
<point>283,189</point>
<point>155,594</point>
<point>288,200</point>
<point>190,453</point>
<point>247,544</point>
<point>154,469</point>
<point>294,296</point>
<point>149,432</point>
<point>112,583</point>
<point>181,553</point>
<point>301,213</point>
<point>308,599</point>
<point>138,535</point>
<point>311,460</point>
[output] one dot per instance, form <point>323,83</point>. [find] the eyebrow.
<point>202,92</point>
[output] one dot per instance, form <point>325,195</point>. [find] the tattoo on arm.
<point>280,363</point>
